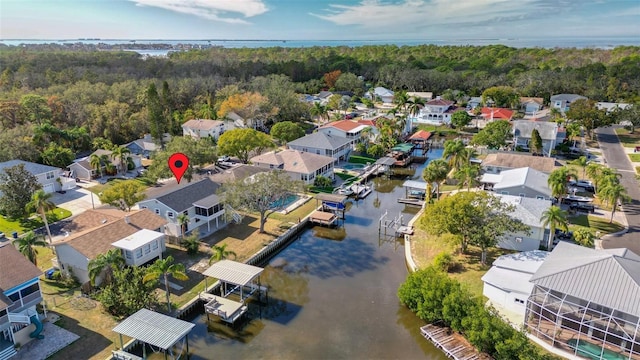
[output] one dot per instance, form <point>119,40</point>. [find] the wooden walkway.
<point>453,347</point>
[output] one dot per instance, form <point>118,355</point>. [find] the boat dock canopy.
<point>154,328</point>
<point>414,184</point>
<point>233,272</point>
<point>335,198</point>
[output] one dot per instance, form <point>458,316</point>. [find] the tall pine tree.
<point>157,121</point>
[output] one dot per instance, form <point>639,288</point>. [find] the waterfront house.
<point>562,102</point>
<point>197,200</point>
<point>49,177</point>
<point>507,285</point>
<point>82,169</point>
<point>321,143</point>
<point>299,165</point>
<point>348,129</point>
<point>203,128</point>
<point>526,182</point>
<point>19,296</point>
<point>495,163</point>
<point>437,111</point>
<point>550,133</point>
<point>139,234</point>
<point>586,302</point>
<point>529,211</point>
<point>531,105</point>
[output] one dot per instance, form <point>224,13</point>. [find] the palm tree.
<point>319,110</point>
<point>436,171</point>
<point>555,218</point>
<point>400,99</point>
<point>162,268</point>
<point>414,104</point>
<point>220,253</point>
<point>614,193</point>
<point>27,243</point>
<point>105,263</point>
<point>452,152</point>
<point>467,175</point>
<point>41,202</point>
<point>96,163</point>
<point>558,181</point>
<point>121,153</point>
<point>582,162</point>
<point>183,220</point>
<point>594,171</point>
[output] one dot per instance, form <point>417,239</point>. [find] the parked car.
<point>589,208</point>
<point>223,158</point>
<point>564,235</point>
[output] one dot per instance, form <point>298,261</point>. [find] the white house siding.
<point>522,242</point>
<point>522,191</point>
<point>73,262</point>
<point>146,254</point>
<point>80,172</point>
<point>172,227</point>
<point>511,300</point>
<point>342,152</point>
<point>48,180</point>
<point>163,211</point>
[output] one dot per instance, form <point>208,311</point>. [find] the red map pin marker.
<point>178,164</point>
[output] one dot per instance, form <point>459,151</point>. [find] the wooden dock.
<point>323,218</point>
<point>452,346</point>
<point>227,310</point>
<point>411,201</point>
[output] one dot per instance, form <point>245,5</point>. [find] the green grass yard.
<point>594,223</point>
<point>97,189</point>
<point>9,226</point>
<point>634,157</point>
<point>628,139</point>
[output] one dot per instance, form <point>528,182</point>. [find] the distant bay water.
<point>135,45</point>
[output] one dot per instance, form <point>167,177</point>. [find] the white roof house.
<point>525,182</point>
<point>146,242</point>
<point>299,165</point>
<point>384,94</point>
<point>507,285</point>
<point>590,299</point>
<point>203,128</point>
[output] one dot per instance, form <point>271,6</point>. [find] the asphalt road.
<point>616,158</point>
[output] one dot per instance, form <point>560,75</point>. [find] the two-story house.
<point>197,200</point>
<point>526,182</point>
<point>562,102</point>
<point>203,128</point>
<point>348,129</point>
<point>437,111</point>
<point>529,211</point>
<point>19,295</point>
<point>550,133</point>
<point>299,165</point>
<point>51,178</point>
<point>138,234</point>
<point>322,143</point>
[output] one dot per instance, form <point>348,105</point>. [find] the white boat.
<point>361,191</point>
<point>343,191</point>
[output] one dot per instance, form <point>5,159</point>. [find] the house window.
<point>540,197</point>
<point>147,248</point>
<point>186,212</point>
<point>143,207</point>
<point>30,290</point>
<point>154,245</point>
<point>521,195</point>
<point>138,253</point>
<point>504,192</point>
<point>50,175</point>
<point>128,255</point>
<point>518,301</point>
<point>170,214</point>
<point>157,211</point>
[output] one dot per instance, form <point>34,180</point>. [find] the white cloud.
<point>228,11</point>
<point>419,14</point>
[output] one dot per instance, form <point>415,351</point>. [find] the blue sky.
<point>317,19</point>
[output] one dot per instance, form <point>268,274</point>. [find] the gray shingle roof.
<point>320,140</point>
<point>566,97</point>
<point>33,168</point>
<point>606,278</point>
<point>183,198</point>
<point>527,177</point>
<point>153,328</point>
<point>515,160</point>
<point>524,128</point>
<point>527,210</point>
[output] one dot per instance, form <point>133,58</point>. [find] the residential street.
<point>616,158</point>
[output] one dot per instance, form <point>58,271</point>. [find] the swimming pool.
<point>352,166</point>
<point>284,202</point>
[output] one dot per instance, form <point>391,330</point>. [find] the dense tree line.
<point>71,96</point>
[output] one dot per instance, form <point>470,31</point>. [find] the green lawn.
<point>595,223</point>
<point>21,226</point>
<point>634,157</point>
<point>627,139</point>
<point>97,189</point>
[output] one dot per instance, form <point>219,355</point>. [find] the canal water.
<point>332,295</point>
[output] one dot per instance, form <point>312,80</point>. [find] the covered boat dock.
<point>235,278</point>
<point>323,218</point>
<point>153,329</point>
<point>415,192</point>
<point>334,203</point>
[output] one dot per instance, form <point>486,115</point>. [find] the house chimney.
<point>127,219</point>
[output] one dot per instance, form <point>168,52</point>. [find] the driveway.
<point>77,200</point>
<point>616,158</point>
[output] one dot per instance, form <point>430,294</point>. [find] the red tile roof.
<point>371,122</point>
<point>421,135</point>
<point>344,125</point>
<point>498,113</point>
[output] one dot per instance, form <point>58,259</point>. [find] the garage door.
<point>49,188</point>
